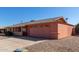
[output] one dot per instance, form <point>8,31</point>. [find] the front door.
<point>25,32</point>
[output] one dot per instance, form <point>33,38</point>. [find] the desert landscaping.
<point>30,44</point>
<point>9,44</point>
<point>46,35</point>
<point>70,44</point>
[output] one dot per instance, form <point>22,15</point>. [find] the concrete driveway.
<point>8,44</point>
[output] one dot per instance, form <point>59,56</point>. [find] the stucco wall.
<point>64,30</point>
<point>46,30</point>
<point>54,30</point>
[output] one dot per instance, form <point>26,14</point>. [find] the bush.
<point>77,29</point>
<point>8,33</point>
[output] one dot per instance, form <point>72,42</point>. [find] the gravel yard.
<point>9,44</point>
<point>70,44</point>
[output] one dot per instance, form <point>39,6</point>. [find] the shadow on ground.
<point>30,38</point>
<point>76,35</point>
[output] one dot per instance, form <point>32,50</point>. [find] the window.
<point>19,29</point>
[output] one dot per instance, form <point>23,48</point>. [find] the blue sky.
<point>14,15</point>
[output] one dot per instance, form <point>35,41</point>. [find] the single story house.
<point>2,29</point>
<point>56,28</point>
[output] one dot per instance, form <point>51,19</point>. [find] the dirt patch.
<point>9,44</point>
<point>70,44</point>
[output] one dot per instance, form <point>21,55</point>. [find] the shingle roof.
<point>37,21</point>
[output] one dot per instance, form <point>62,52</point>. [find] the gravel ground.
<point>70,44</point>
<point>9,44</point>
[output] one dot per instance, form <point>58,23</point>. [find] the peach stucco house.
<point>56,28</point>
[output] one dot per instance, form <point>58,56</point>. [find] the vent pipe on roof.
<point>32,20</point>
<point>66,19</point>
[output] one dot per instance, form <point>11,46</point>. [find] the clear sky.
<point>14,15</point>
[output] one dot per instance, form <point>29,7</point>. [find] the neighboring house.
<point>47,28</point>
<point>2,29</point>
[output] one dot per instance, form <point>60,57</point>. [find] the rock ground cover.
<point>70,44</point>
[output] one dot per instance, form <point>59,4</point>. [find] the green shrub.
<point>9,33</point>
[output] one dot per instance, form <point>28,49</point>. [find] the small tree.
<point>77,29</point>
